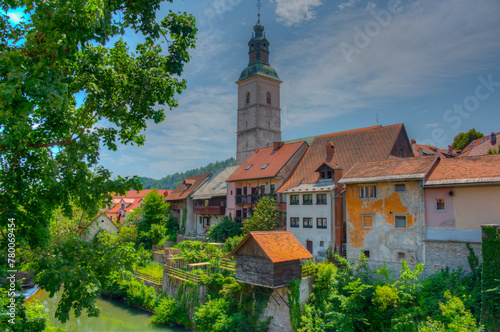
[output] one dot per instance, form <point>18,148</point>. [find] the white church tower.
<point>259,120</point>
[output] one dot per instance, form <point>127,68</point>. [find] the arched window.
<point>268,97</point>
<point>264,45</point>
<point>248,98</point>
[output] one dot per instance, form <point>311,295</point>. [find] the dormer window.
<point>325,172</point>
<point>268,97</point>
<point>186,186</point>
<point>248,98</point>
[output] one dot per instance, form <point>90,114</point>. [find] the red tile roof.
<point>142,193</point>
<point>466,170</point>
<point>189,185</point>
<point>432,150</point>
<point>480,146</point>
<point>352,146</point>
<point>277,245</point>
<point>390,170</point>
<point>275,160</point>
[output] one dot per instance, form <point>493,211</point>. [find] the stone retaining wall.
<point>439,255</point>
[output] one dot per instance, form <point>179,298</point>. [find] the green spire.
<point>258,54</point>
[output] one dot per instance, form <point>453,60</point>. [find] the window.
<point>400,187</point>
<point>321,199</point>
<point>245,190</point>
<point>225,186</point>
<point>206,222</point>
<point>217,185</point>
<point>307,199</point>
<point>248,167</point>
<point>294,199</point>
<point>368,192</point>
<point>440,206</point>
<point>321,243</point>
<point>263,189</point>
<point>472,144</point>
<point>248,98</point>
<point>294,222</point>
<point>307,222</point>
<point>245,213</point>
<point>367,253</point>
<point>401,256</point>
<point>484,139</point>
<point>268,96</point>
<point>265,165</point>
<point>272,188</point>
<point>400,221</point>
<point>283,198</point>
<point>320,222</point>
<point>326,175</point>
<point>367,220</point>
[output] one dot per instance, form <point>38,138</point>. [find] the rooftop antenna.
<point>377,118</point>
<point>259,6</point>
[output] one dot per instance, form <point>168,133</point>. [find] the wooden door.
<point>309,245</point>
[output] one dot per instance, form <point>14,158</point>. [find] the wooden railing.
<point>182,275</point>
<point>147,277</point>
<point>228,264</point>
<point>309,271</point>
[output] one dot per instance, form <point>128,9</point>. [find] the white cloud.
<point>348,4</point>
<point>292,12</point>
<point>417,51</point>
<point>219,7</point>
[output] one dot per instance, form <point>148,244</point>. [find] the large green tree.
<point>265,217</point>
<point>461,141</point>
<point>50,141</point>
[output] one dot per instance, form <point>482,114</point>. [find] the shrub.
<point>166,312</point>
<point>225,229</point>
<point>232,242</point>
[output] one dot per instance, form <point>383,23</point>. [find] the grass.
<point>153,269</point>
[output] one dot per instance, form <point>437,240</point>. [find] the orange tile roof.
<point>279,246</point>
<point>480,146</point>
<point>275,160</point>
<point>390,170</point>
<point>466,170</point>
<point>352,146</point>
<point>192,182</point>
<point>432,150</point>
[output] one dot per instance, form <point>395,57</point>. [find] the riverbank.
<point>115,316</point>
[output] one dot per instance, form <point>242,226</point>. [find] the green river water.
<point>114,316</point>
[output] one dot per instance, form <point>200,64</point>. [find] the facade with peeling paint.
<point>385,210</point>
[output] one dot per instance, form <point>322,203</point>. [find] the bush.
<point>232,242</point>
<point>167,312</point>
<point>225,229</point>
<point>265,217</point>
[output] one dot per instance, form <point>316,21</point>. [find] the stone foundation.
<point>439,255</point>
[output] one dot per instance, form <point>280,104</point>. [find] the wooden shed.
<point>269,259</point>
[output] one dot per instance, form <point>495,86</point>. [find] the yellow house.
<point>385,210</point>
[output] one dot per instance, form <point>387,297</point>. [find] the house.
<point>385,210</point>
<point>315,203</point>
<point>269,259</point>
<point>209,200</point>
<point>420,150</point>
<point>261,174</point>
<point>89,231</point>
<point>461,194</point>
<point>181,202</point>
<point>122,205</point>
<point>481,146</point>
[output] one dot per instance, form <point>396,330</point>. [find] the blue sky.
<point>433,65</point>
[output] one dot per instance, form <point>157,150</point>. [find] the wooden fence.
<point>228,264</point>
<point>309,271</point>
<point>147,277</point>
<point>182,275</point>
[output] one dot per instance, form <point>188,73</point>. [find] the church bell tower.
<point>259,119</point>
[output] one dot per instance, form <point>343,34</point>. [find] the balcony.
<point>215,210</point>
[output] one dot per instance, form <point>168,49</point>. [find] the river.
<point>115,316</point>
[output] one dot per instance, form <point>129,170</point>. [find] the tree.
<point>461,141</point>
<point>265,217</point>
<point>50,141</point>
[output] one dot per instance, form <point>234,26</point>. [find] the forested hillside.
<point>171,181</point>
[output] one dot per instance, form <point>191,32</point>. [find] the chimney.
<point>277,145</point>
<point>493,139</point>
<point>330,149</point>
<point>421,152</point>
<point>413,142</point>
<point>450,149</point>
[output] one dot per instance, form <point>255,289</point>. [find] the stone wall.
<point>171,287</point>
<point>181,238</point>
<point>278,306</point>
<point>438,255</point>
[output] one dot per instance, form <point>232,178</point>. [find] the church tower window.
<point>248,98</point>
<point>268,97</point>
